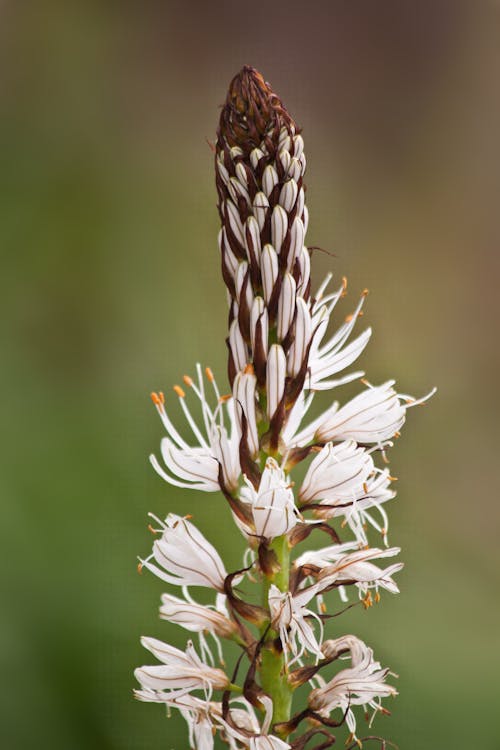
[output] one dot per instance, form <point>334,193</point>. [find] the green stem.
<point>273,666</point>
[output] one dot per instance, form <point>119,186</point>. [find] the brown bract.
<point>252,112</point>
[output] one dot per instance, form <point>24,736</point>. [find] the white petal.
<point>297,235</point>
<point>269,179</point>
<point>298,350</point>
<point>269,270</point>
<point>286,305</point>
<point>288,194</point>
<point>260,206</point>
<point>238,347</point>
<point>279,225</point>
<point>275,378</point>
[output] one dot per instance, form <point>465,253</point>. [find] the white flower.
<point>273,507</point>
<point>180,671</point>
<point>362,684</point>
<point>196,617</point>
<point>327,359</point>
<point>184,557</point>
<point>337,473</point>
<point>354,567</point>
<point>288,618</point>
<point>344,480</point>
<point>373,416</point>
<point>372,494</point>
<point>197,467</point>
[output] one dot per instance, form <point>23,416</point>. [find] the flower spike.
<point>246,441</point>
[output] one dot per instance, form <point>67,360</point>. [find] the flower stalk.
<point>247,445</point>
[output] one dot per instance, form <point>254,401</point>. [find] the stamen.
<point>209,374</point>
<point>178,390</point>
<point>188,381</point>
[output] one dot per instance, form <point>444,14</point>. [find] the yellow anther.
<point>209,374</point>
<point>187,380</point>
<point>179,391</point>
<point>365,488</point>
<point>343,524</point>
<point>392,479</point>
<point>322,607</point>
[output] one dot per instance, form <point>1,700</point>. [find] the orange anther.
<point>365,488</point>
<point>397,434</point>
<point>392,479</point>
<point>179,391</point>
<point>209,374</point>
<point>157,399</point>
<point>349,318</point>
<point>249,369</point>
<point>224,398</point>
<point>365,292</point>
<point>150,528</point>
<point>187,380</point>
<point>188,516</point>
<point>139,567</point>
<point>322,607</point>
<point>377,597</point>
<point>367,601</point>
<point>344,282</point>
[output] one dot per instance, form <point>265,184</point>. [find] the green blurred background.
<point>111,288</point>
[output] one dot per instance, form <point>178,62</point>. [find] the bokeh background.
<point>111,288</point>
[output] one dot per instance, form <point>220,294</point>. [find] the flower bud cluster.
<point>247,444</point>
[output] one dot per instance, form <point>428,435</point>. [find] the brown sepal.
<point>259,355</point>
<point>239,509</point>
<point>251,612</point>
<point>301,531</point>
<point>244,310</point>
<point>268,560</point>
